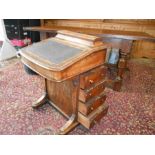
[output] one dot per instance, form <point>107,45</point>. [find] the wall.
<point>2,30</point>
<point>140,48</point>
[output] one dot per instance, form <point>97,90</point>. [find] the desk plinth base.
<point>69,125</point>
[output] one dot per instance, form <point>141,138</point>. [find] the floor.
<point>131,111</point>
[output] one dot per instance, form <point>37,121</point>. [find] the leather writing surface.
<point>53,51</point>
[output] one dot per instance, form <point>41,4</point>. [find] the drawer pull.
<point>90,94</point>
<point>92,108</point>
<point>91,81</point>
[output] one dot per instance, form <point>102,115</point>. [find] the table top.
<point>129,35</point>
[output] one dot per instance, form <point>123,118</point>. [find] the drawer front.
<point>91,119</point>
<point>85,95</point>
<point>88,79</point>
<point>88,107</point>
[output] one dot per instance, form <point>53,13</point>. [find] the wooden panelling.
<point>139,49</point>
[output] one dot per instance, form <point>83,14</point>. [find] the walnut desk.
<point>72,66</point>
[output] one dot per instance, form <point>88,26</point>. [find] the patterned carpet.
<point>131,111</point>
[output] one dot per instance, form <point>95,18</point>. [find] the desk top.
<point>57,53</point>
<point>64,56</point>
<point>129,35</point>
<point>53,51</point>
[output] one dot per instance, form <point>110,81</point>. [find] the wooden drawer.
<point>85,95</point>
<point>92,118</point>
<point>93,104</point>
<point>88,79</point>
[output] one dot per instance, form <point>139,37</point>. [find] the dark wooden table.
<point>129,35</point>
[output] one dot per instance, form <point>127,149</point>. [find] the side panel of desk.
<point>60,93</point>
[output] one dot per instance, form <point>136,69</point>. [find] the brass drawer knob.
<point>91,81</point>
<point>90,94</point>
<point>92,108</point>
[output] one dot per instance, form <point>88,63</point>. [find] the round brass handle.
<point>92,108</point>
<point>90,94</point>
<point>91,81</point>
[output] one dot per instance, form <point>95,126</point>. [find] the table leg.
<point>122,67</point>
<point>117,84</point>
<point>122,64</point>
<point>125,46</point>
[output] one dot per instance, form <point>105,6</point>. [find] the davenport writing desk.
<point>72,66</point>
<point>117,39</point>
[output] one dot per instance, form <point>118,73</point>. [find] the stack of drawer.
<point>91,96</point>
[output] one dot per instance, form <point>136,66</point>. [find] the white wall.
<point>2,30</point>
<point>7,51</point>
